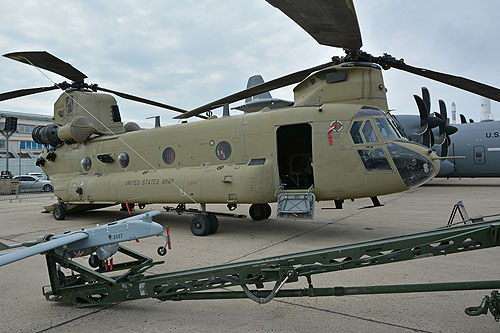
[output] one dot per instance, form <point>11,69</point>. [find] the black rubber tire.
<point>257,212</point>
<point>200,225</point>
<point>94,261</point>
<point>162,250</point>
<point>142,206</point>
<point>48,188</point>
<point>130,205</point>
<point>268,210</point>
<point>59,212</point>
<point>214,223</point>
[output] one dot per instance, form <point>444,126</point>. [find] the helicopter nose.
<point>415,162</point>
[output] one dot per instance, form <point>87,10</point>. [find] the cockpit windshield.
<point>364,130</point>
<point>386,129</point>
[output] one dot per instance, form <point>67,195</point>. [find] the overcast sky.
<point>188,53</point>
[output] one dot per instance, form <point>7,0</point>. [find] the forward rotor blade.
<point>145,101</point>
<point>25,92</point>
<point>45,60</point>
<point>255,90</point>
<point>475,87</point>
<point>329,22</point>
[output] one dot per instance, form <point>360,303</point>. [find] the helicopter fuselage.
<point>337,142</point>
<point>240,159</point>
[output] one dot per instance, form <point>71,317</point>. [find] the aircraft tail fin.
<point>254,81</point>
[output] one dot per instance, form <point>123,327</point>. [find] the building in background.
<point>23,151</point>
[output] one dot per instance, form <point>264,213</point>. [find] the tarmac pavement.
<point>23,307</point>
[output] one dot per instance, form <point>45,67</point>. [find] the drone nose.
<point>156,228</point>
<point>414,162</point>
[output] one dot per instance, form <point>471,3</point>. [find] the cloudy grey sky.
<point>188,53</point>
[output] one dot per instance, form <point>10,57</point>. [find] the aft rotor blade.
<point>255,90</point>
<point>145,101</point>
<point>25,92</point>
<point>472,86</point>
<point>329,22</point>
<point>45,60</point>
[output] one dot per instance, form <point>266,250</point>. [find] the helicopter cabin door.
<point>295,156</point>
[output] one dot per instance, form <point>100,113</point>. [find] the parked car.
<point>29,183</point>
<point>39,175</point>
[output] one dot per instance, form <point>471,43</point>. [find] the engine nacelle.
<point>78,130</point>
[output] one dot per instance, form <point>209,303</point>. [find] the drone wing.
<point>51,244</point>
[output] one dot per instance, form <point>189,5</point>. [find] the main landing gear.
<point>59,211</point>
<point>260,211</point>
<point>204,224</point>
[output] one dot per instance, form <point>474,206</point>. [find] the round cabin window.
<point>123,159</point>
<point>223,150</point>
<point>86,163</point>
<point>169,155</point>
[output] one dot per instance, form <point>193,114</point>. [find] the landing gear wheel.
<point>257,212</point>
<point>200,225</point>
<point>59,211</point>
<point>130,205</point>
<point>214,223</point>
<point>268,210</point>
<point>94,261</point>
<point>142,206</point>
<point>162,250</point>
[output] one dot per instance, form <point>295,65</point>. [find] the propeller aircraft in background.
<point>476,144</point>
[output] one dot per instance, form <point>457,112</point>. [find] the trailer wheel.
<point>200,225</point>
<point>59,211</point>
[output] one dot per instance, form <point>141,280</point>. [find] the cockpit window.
<point>356,136</point>
<point>397,127</point>
<point>374,159</point>
<point>369,133</point>
<point>365,111</point>
<point>387,131</point>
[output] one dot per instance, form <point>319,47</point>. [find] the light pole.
<point>9,128</point>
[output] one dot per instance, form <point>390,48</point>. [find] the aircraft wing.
<point>10,257</point>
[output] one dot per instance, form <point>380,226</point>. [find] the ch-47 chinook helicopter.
<point>337,141</point>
